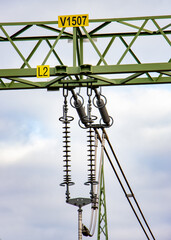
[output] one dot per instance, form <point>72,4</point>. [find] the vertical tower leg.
<point>102,221</point>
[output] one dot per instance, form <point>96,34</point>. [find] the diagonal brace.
<point>15,47</point>
<point>94,45</point>
<point>132,42</point>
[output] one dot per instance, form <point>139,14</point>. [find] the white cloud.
<point>37,171</point>
<point>12,153</point>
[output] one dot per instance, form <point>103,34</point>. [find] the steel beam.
<point>89,69</point>
<point>108,71</point>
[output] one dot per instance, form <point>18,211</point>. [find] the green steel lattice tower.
<point>119,53</point>
<point>102,218</point>
<point>110,66</point>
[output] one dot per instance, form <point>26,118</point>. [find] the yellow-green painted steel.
<point>108,52</point>
<point>102,232</point>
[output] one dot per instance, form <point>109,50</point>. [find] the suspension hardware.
<point>93,136</point>
<point>80,202</point>
<point>89,108</point>
<point>101,105</point>
<point>86,231</point>
<point>65,119</point>
<point>78,105</point>
<point>91,117</point>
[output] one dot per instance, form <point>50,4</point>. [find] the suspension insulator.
<point>91,162</point>
<point>66,149</point>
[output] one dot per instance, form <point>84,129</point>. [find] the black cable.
<point>107,138</point>
<point>110,161</point>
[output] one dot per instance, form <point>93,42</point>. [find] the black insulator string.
<point>65,119</point>
<point>91,161</point>
<point>132,195</point>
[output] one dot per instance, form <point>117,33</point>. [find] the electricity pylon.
<point>102,52</point>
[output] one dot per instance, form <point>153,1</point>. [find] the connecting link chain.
<point>89,105</point>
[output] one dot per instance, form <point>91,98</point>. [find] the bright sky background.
<point>32,204</point>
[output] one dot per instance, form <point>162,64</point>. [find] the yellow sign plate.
<point>43,71</point>
<point>73,20</point>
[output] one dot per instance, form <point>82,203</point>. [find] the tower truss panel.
<point>108,52</point>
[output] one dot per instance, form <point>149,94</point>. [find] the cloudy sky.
<point>32,204</point>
